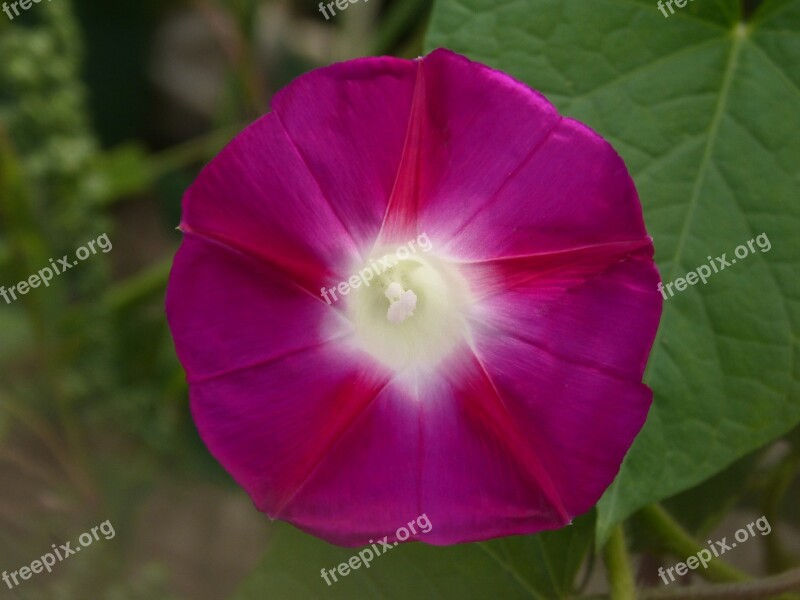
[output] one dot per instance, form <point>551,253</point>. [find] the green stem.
<point>769,587</point>
<point>399,19</point>
<point>618,567</point>
<point>778,484</point>
<point>679,543</point>
<point>140,286</point>
<point>195,150</point>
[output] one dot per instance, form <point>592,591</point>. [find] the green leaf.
<point>703,106</point>
<point>541,567</point>
<point>700,509</point>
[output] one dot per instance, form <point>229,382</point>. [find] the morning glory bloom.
<point>414,288</point>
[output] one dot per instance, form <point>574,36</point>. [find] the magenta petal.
<point>572,191</point>
<point>281,420</point>
<point>497,172</point>
<point>348,122</point>
<point>446,449</point>
<point>368,484</point>
<point>482,477</point>
<point>244,200</point>
<point>578,420</point>
<point>550,269</point>
<point>473,126</point>
<point>603,322</point>
<point>215,290</point>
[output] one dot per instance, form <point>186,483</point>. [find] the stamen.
<point>403,306</point>
<point>394,291</point>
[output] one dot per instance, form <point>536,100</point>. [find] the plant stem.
<point>778,484</point>
<point>400,18</point>
<point>618,566</point>
<point>769,587</point>
<point>148,282</point>
<point>195,150</point>
<point>678,541</point>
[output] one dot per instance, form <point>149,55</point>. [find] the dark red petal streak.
<point>280,420</point>
<point>229,310</point>
<point>580,420</point>
<point>606,321</point>
<point>572,191</point>
<point>470,129</point>
<point>245,199</point>
<point>491,170</point>
<point>448,448</point>
<point>349,122</point>
<point>496,275</point>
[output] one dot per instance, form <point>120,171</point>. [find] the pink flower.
<point>491,381</point>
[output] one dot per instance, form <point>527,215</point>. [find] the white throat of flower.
<point>412,313</point>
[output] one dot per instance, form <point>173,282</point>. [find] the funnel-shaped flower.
<point>488,304</point>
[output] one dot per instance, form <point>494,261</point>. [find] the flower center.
<point>410,312</point>
<point>402,302</point>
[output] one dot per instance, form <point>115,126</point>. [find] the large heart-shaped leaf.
<point>540,567</point>
<point>703,105</point>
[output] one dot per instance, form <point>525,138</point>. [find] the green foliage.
<point>46,210</point>
<point>703,107</point>
<point>100,367</point>
<point>542,567</point>
<point>82,359</point>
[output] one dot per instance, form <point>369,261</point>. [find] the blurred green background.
<point>107,112</point>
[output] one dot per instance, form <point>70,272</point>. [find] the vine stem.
<point>769,587</point>
<point>195,150</point>
<point>400,17</point>
<point>777,486</point>
<point>678,541</point>
<point>618,566</point>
